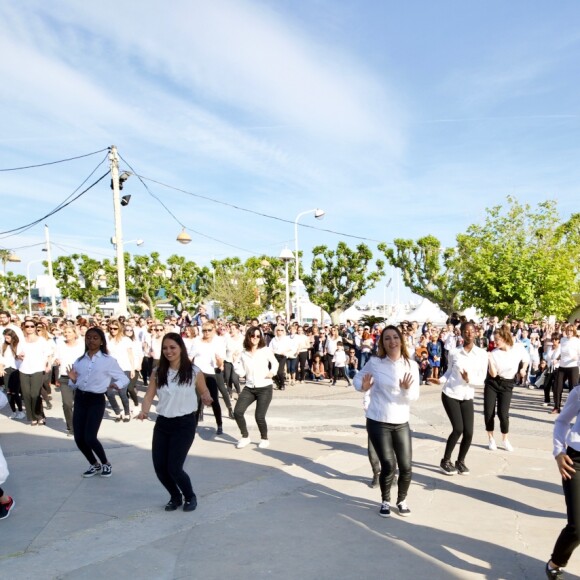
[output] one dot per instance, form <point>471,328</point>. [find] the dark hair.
<point>185,372</point>
<point>465,324</point>
<point>381,353</point>
<point>99,331</point>
<point>13,343</point>
<point>505,334</point>
<point>247,338</point>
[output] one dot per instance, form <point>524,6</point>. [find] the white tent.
<point>427,311</point>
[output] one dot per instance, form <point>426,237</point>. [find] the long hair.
<point>13,343</point>
<point>185,372</point>
<point>505,334</point>
<point>382,353</point>
<point>99,331</point>
<point>247,339</point>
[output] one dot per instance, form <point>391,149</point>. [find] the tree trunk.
<point>335,316</point>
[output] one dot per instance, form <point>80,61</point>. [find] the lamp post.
<point>286,256</point>
<point>137,242</point>
<point>318,214</point>
<point>28,282</point>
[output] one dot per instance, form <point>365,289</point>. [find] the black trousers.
<point>231,377</point>
<point>280,376</point>
<point>392,442</point>
<point>12,384</point>
<point>497,391</point>
<point>569,538</point>
<point>460,414</point>
<point>302,359</point>
<point>263,397</point>
<point>89,409</point>
<point>221,385</point>
<point>172,440</point>
<point>548,384</point>
<point>30,386</point>
<point>373,457</point>
<point>562,374</point>
<point>146,368</point>
<point>212,387</point>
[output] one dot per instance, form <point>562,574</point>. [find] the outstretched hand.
<point>406,381</point>
<point>367,382</point>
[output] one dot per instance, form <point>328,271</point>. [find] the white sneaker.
<point>21,415</point>
<point>14,415</point>
<point>264,444</point>
<point>243,442</point>
<point>507,445</point>
<point>492,446</point>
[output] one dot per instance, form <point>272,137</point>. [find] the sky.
<point>397,119</point>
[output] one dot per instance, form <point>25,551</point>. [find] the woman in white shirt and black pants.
<point>394,379</point>
<point>567,454</point>
<point>178,384</point>
<point>260,364</point>
<point>568,364</point>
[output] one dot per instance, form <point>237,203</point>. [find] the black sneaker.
<point>385,511</point>
<point>106,470</point>
<point>554,573</point>
<point>219,430</point>
<point>403,509</point>
<point>92,470</point>
<point>447,468</point>
<point>173,504</point>
<point>190,505</point>
<point>6,508</point>
<point>462,469</point>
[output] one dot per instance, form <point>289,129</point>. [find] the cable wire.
<point>54,162</point>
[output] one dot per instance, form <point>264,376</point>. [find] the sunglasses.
<point>256,336</point>
<point>113,328</point>
<point>29,326</point>
<point>158,329</point>
<point>207,330</point>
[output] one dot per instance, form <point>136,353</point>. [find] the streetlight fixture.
<point>286,256</point>
<point>183,237</point>
<point>318,214</point>
<point>139,242</point>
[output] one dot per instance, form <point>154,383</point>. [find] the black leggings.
<point>548,384</point>
<point>569,538</point>
<point>231,378</point>
<point>172,440</point>
<point>280,376</point>
<point>392,442</point>
<point>460,414</point>
<point>263,397</point>
<point>12,384</point>
<point>89,409</point>
<point>302,358</point>
<point>212,387</point>
<point>562,374</point>
<point>497,390</point>
<point>221,385</point>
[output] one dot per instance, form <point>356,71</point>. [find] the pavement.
<point>301,509</point>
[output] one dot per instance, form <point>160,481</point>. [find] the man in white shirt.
<point>281,349</point>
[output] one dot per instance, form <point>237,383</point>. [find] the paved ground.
<point>300,509</point>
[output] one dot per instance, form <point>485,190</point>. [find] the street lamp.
<point>286,256</point>
<point>138,242</point>
<point>183,237</point>
<point>318,214</point>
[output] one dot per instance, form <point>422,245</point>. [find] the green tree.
<point>5,258</point>
<point>146,278</point>
<point>521,262</point>
<point>270,274</point>
<point>340,277</point>
<point>13,290</point>
<point>83,279</point>
<point>428,270</point>
<point>185,283</point>
<point>235,288</point>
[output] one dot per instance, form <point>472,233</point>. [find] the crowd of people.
<point>189,362</point>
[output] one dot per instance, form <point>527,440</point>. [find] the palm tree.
<point>4,258</point>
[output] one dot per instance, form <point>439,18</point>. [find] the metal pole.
<point>297,265</point>
<point>114,159</point>
<point>287,263</point>
<point>50,276</point>
<point>29,294</point>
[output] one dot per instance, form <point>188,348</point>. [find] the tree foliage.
<point>428,270</point>
<point>340,277</point>
<point>270,275</point>
<point>520,262</point>
<point>13,290</point>
<point>186,283</point>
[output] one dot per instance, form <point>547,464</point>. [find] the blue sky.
<point>398,119</point>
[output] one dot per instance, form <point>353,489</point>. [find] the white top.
<point>552,357</point>
<point>564,435</point>
<point>36,355</point>
<point>67,354</point>
<point>474,362</point>
<point>293,345</point>
<point>260,366</point>
<point>331,345</point>
<point>175,400</point>
<point>8,360</point>
<point>389,403</point>
<point>137,349</point>
<point>13,327</point>
<point>339,358</point>
<point>120,349</point>
<point>204,354</point>
<point>303,342</point>
<point>508,361</point>
<point>279,345</point>
<point>97,374</point>
<point>234,348</point>
<point>569,352</point>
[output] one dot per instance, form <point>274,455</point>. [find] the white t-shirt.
<point>36,355</point>
<point>175,400</point>
<point>508,361</point>
<point>119,349</point>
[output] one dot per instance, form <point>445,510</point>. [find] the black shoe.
<point>173,504</point>
<point>447,467</point>
<point>462,469</point>
<point>385,511</point>
<point>555,573</point>
<point>92,470</point>
<point>282,388</point>
<point>231,414</point>
<point>219,430</point>
<point>403,509</point>
<point>375,482</point>
<point>190,505</point>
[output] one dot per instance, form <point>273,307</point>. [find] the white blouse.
<point>507,362</point>
<point>119,349</point>
<point>389,403</point>
<point>175,400</point>
<point>569,352</point>
<point>474,362</point>
<point>260,366</point>
<point>564,434</point>
<point>36,355</point>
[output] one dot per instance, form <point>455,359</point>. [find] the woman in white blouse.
<point>568,367</point>
<point>177,383</point>
<point>260,365</point>
<point>394,379</point>
<point>121,349</point>
<point>505,362</point>
<point>35,354</point>
<point>567,454</point>
<point>9,364</point>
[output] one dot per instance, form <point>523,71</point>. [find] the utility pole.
<point>50,276</point>
<point>114,159</point>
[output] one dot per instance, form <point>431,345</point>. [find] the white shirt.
<point>234,347</point>
<point>67,354</point>
<point>175,400</point>
<point>508,361</point>
<point>204,354</point>
<point>260,366</point>
<point>339,358</point>
<point>120,349</point>
<point>97,374</point>
<point>279,345</point>
<point>8,359</point>
<point>13,327</point>
<point>474,362</point>
<point>569,352</point>
<point>331,345</point>
<point>36,355</point>
<point>564,435</point>
<point>389,403</point>
<point>293,345</point>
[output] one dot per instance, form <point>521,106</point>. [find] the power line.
<point>54,162</point>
